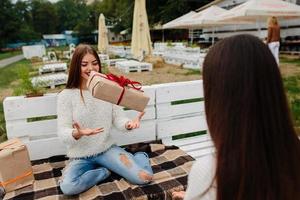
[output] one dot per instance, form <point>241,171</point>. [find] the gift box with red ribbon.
<point>117,90</point>
<point>15,168</point>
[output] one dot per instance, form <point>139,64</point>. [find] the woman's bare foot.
<point>178,195</point>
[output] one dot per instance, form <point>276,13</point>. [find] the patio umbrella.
<point>205,19</point>
<point>254,9</point>
<point>260,10</point>
<point>102,35</point>
<point>140,41</point>
<point>174,23</point>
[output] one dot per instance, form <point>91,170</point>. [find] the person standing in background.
<point>274,37</point>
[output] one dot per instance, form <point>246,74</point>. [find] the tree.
<point>71,13</point>
<point>23,13</point>
<point>8,21</point>
<point>44,17</point>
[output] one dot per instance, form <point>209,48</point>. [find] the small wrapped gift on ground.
<point>15,167</point>
<point>117,90</point>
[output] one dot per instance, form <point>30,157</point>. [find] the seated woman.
<point>257,150</point>
<point>84,125</point>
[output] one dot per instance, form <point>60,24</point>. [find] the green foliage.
<point>2,124</point>
<point>72,13</point>
<point>104,68</point>
<point>44,16</point>
<point>26,87</point>
<point>169,43</point>
<point>28,20</point>
<point>292,86</point>
<point>9,22</point>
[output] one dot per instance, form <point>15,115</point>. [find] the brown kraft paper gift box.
<point>108,90</point>
<point>15,168</point>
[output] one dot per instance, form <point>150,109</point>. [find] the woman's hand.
<point>85,132</point>
<point>178,195</point>
<point>135,123</point>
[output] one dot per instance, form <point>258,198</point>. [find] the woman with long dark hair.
<point>257,150</point>
<point>84,125</point>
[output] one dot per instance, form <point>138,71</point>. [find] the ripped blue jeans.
<point>82,174</point>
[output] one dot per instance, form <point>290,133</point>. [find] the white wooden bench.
<point>133,66</point>
<point>50,80</point>
<point>166,116</point>
<point>113,62</point>
<point>53,67</point>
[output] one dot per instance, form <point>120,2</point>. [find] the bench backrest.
<point>173,109</point>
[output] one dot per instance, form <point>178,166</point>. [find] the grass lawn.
<point>9,73</point>
<point>289,60</point>
<point>9,54</point>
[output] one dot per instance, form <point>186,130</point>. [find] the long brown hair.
<point>74,79</point>
<point>272,21</point>
<point>258,151</point>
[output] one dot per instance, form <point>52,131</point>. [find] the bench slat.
<point>166,93</point>
<point>197,146</point>
<point>25,128</point>
<point>202,152</point>
<point>180,126</point>
<point>189,140</point>
<point>21,108</point>
<point>167,110</point>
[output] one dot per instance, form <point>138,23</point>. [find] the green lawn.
<point>290,61</point>
<point>9,73</point>
<point>9,54</point>
<point>292,86</point>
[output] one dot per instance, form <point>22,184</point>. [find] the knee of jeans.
<point>125,160</point>
<point>143,177</point>
<point>69,188</point>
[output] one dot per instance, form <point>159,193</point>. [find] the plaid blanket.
<point>170,166</point>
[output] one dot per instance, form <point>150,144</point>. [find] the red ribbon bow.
<point>123,81</point>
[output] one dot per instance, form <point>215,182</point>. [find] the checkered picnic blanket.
<point>170,166</point>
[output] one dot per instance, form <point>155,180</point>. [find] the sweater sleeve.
<point>64,119</point>
<point>200,179</point>
<point>119,118</point>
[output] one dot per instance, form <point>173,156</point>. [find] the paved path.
<point>10,60</point>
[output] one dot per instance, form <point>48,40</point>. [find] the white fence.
<point>167,114</point>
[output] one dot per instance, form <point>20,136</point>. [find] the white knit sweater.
<point>90,113</point>
<point>200,179</point>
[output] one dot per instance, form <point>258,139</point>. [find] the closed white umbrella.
<point>102,35</point>
<point>140,41</point>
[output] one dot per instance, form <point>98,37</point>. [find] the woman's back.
<point>273,34</point>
